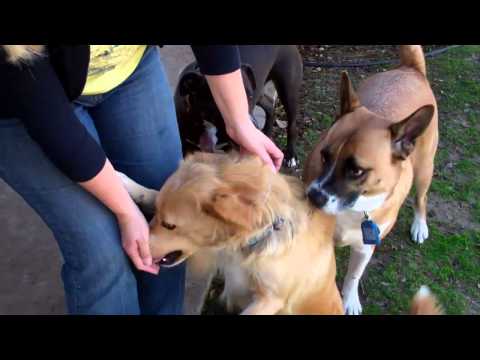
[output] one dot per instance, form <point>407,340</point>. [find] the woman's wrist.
<point>107,187</point>
<point>233,125</point>
<point>127,209</point>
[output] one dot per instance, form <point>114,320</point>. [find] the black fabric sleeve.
<point>33,93</point>
<point>217,59</point>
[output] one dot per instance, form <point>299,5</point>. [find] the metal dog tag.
<point>370,232</point>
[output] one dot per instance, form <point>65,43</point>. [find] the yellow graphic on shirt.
<point>110,65</point>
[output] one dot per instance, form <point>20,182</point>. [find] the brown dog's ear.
<point>407,131</point>
<point>348,98</point>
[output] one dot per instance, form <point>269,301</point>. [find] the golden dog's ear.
<point>236,207</point>
<point>407,131</point>
<point>348,98</point>
<point>240,198</point>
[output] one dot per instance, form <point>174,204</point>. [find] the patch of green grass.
<point>448,264</point>
<point>455,69</point>
<point>462,184</point>
<point>476,211</point>
<point>444,188</point>
<point>456,81</point>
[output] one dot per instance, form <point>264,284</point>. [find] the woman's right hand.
<point>108,188</point>
<point>135,234</point>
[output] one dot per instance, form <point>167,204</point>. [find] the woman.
<point>69,115</point>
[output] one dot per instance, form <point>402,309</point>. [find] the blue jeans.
<point>136,125</point>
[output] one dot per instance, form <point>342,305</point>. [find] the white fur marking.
<point>419,229</point>
<point>369,203</point>
<point>318,183</point>
<point>424,292</point>
<point>313,186</point>
<point>351,300</point>
<point>383,227</point>
<point>332,206</point>
<point>359,258</point>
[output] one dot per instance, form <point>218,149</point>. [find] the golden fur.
<point>22,53</point>
<point>218,202</point>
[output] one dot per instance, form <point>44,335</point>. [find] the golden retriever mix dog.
<point>276,250</point>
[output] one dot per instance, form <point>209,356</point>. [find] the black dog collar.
<point>258,242</point>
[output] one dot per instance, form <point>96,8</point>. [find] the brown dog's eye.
<point>356,172</point>
<point>353,171</point>
<point>168,226</point>
<point>325,156</point>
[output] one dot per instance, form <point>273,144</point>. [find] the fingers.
<point>132,252</point>
<point>271,154</point>
<point>152,269</point>
<point>144,250</point>
<point>134,255</point>
<point>267,160</point>
<point>275,154</point>
<point>255,142</point>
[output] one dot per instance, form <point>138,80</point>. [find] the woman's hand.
<point>254,141</point>
<point>228,91</point>
<point>107,187</point>
<point>135,234</point>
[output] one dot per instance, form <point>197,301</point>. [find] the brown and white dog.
<point>383,141</point>
<point>275,249</point>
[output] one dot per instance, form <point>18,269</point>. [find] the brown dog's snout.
<point>317,197</point>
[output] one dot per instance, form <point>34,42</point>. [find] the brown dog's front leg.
<point>265,305</point>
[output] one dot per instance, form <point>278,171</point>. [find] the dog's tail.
<point>425,303</point>
<point>413,56</point>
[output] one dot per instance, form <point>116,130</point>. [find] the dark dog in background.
<point>201,123</point>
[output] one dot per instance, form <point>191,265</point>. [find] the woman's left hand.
<point>253,141</point>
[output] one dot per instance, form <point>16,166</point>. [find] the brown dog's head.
<point>209,200</point>
<point>357,163</point>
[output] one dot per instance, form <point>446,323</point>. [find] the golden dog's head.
<point>212,201</point>
<point>358,161</point>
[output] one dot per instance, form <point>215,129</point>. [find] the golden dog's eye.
<point>168,226</point>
